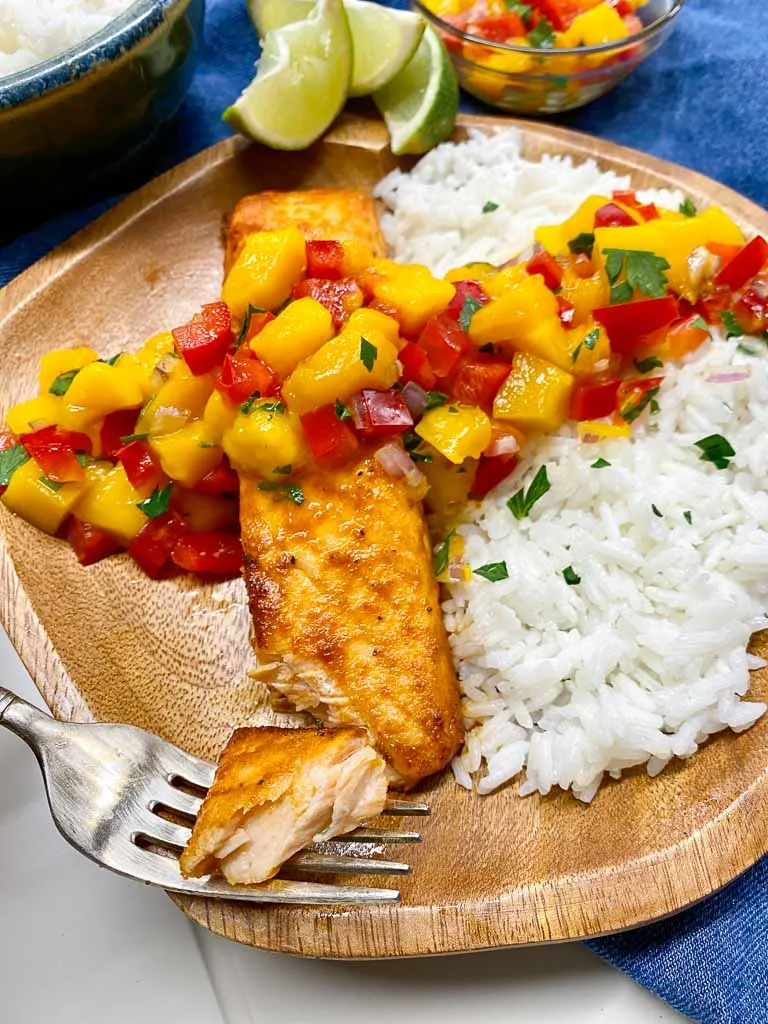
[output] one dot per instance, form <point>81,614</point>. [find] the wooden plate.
<point>106,643</point>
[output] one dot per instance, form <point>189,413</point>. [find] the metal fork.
<point>109,786</point>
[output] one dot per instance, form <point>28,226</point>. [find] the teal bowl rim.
<point>113,41</point>
<point>542,51</point>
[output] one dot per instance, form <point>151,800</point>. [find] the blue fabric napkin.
<point>699,101</point>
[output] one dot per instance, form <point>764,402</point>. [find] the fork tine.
<point>177,800</point>
<point>322,864</point>
<point>405,807</point>
<point>177,762</point>
<point>164,872</point>
<point>376,835</point>
<point>165,831</point>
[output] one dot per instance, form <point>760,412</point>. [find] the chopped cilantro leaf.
<point>646,365</point>
<point>600,464</point>
<point>716,449</point>
<point>523,10</point>
<point>571,577</point>
<point>543,35</point>
<point>493,572</point>
<point>52,485</point>
<point>687,208</point>
<point>731,325</point>
<point>283,489</point>
<point>630,413</point>
<point>489,207</point>
<point>701,323</point>
<point>342,412</point>
<point>468,310</point>
<point>656,512</point>
<point>248,403</point>
<point>576,351</point>
<point>10,460</point>
<point>247,322</point>
<point>582,243</point>
<point>644,270</point>
<point>420,456</point>
<point>82,458</point>
<point>654,406</point>
<point>157,503</point>
<point>521,503</point>
<point>61,385</point>
<point>688,517</point>
<point>452,408</point>
<point>621,293</point>
<point>434,399</point>
<point>127,438</point>
<point>591,339</point>
<point>442,555</point>
<point>488,347</point>
<point>368,353</point>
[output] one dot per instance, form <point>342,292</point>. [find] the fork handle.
<point>20,717</point>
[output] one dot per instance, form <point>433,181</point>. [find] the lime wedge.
<point>301,80</point>
<point>420,104</point>
<point>383,39</point>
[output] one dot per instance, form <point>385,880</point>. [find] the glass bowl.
<point>526,80</point>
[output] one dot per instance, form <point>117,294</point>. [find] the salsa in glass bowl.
<point>547,56</point>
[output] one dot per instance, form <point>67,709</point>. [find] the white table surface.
<point>81,946</point>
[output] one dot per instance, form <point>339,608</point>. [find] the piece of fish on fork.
<point>113,790</point>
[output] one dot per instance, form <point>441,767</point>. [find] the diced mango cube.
<point>340,368</point>
<point>357,257</point>
<point>503,280</point>
<point>585,293</point>
<point>219,415</point>
<point>205,512</point>
<point>181,398</point>
<point>187,454</point>
<point>110,501</point>
<point>555,237</point>
<point>298,332</point>
<point>535,396</point>
<point>35,412</point>
<point>60,360</point>
<point>99,389</point>
<point>44,505</point>
<point>367,321</point>
<point>457,431</point>
<point>264,439</point>
<point>449,487</point>
<point>480,272</point>
<point>590,349</point>
<point>515,314</point>
<point>268,265</point>
<point>412,291</point>
<point>602,24</point>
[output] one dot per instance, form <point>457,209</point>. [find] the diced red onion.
<point>162,371</point>
<point>506,444</point>
<point>415,397</point>
<point>729,376</point>
<point>394,460</point>
<point>455,573</point>
<point>702,265</point>
<point>760,286</point>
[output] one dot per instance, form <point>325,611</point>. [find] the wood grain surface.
<point>108,644</point>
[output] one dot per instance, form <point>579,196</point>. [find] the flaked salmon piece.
<point>277,790</point>
<point>346,612</point>
<point>339,214</point>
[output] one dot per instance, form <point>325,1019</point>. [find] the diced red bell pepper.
<point>560,13</point>
<point>90,543</point>
<point>751,312</point>
<point>712,305</point>
<point>566,311</point>
<point>326,260</point>
<point>140,465</point>
<point>340,298</point>
<point>464,290</point>
<point>53,448</point>
<point>497,29</point>
<point>380,413</point>
<point>629,323</point>
<point>629,198</point>
<point>477,380</point>
<point>444,342</point>
<point>632,396</point>
<point>649,212</point>
<point>745,265</point>
<point>221,480</point>
<point>242,374</point>
<point>203,342</point>
<point>256,323</point>
<point>153,546</point>
<point>416,366</point>
<point>545,264</point>
<point>612,216</point>
<point>623,7</point>
<point>332,441</point>
<point>212,553</point>
<point>115,427</point>
<point>595,400</point>
<point>491,472</point>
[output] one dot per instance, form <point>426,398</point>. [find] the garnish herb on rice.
<point>521,503</point>
<point>688,517</point>
<point>656,512</point>
<point>493,571</point>
<point>442,555</point>
<point>600,464</point>
<point>731,325</point>
<point>571,577</point>
<point>490,206</point>
<point>716,449</point>
<point>687,208</point>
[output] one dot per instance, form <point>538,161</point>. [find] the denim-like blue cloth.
<point>700,101</point>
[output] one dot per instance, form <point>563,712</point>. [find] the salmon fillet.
<point>277,790</point>
<point>346,612</point>
<point>341,214</point>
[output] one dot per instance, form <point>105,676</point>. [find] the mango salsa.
<point>61,361</point>
<point>267,440</point>
<point>266,268</point>
<point>111,502</point>
<point>298,332</point>
<point>39,501</point>
<point>534,396</point>
<point>458,432</point>
<point>188,453</point>
<point>411,290</point>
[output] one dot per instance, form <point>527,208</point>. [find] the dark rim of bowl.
<point>117,37</point>
<point>542,51</point>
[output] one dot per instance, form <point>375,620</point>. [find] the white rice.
<point>32,31</point>
<point>646,657</point>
